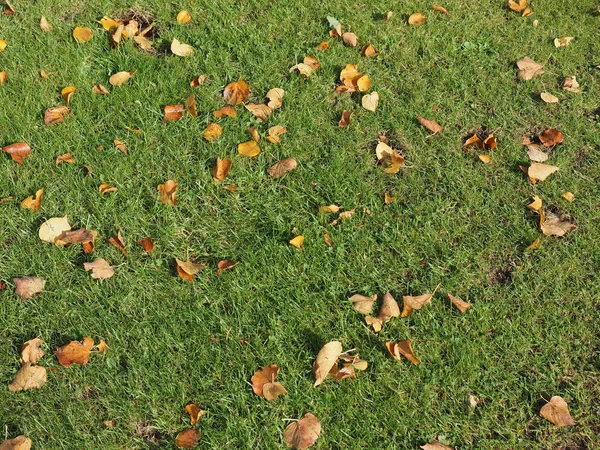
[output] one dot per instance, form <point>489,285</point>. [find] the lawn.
<point>533,329</point>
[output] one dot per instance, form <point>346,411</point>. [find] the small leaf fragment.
<point>67,93</point>
<point>431,125</point>
<point>416,302</point>
<point>260,111</point>
<point>198,81</point>
<point>346,117</point>
<point>100,90</point>
<point>572,85</point>
<point>275,97</point>
<point>167,192</point>
<point>436,445</point>
<point>44,25</point>
<point>440,9</point>
<point>227,110</point>
<point>173,112</point>
<point>118,242</point>
<point>184,17</point>
<point>297,242</point>
<point>120,146</point>
<point>368,51</point>
<point>460,304</point>
<point>416,19</point>
<point>568,196</point>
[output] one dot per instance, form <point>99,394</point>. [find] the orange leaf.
<point>75,352</point>
<point>346,117</point>
<point>249,148</point>
<point>460,304</point>
<point>120,145</point>
<point>368,50</point>
<point>194,412</point>
<point>106,188</point>
<point>184,17</point>
<point>350,39</point>
<point>187,270</point>
<point>82,34</point>
<point>403,348</point>
<point>173,112</point>
<point>120,77</point>
<point>225,264</point>
<point>440,9</point>
<point>188,438</point>
<point>31,203</point>
<point>213,131</point>
<point>323,46</point>
<point>100,269</point>
<point>431,125</point>
<point>227,110</point>
<point>198,81</point>
<point>551,137</point>
<point>167,192</point>
<point>18,151</point>
<point>557,412</point>
<point>147,244</point>
<point>66,158</point>
<point>297,242</point>
<point>67,93</point>
<point>55,114</point>
<point>118,242</point>
<point>416,19</point>
<point>221,168</point>
<point>236,92</point>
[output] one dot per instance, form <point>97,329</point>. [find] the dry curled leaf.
<point>28,377</point>
<point>416,19</point>
<point>518,7</point>
<point>167,192</point>
<point>194,412</point>
<point>221,168</point>
<point>460,304</point>
<point>563,41</point>
<point>370,101</point>
<point>329,208</point>
<point>147,244</point>
<point>274,134</point>
<point>118,242</point>
<point>213,131</point>
<point>350,39</point>
<point>31,351</point>
<point>53,228</point>
<point>275,97</point>
<point>82,34</point>
<point>190,105</point>
<point>67,93</point>
<point>225,264</point>
<point>183,17</point>
<point>3,77</point>
<point>571,84</point>
<point>548,98</point>
<point>187,270</point>
<point>431,125</point>
<point>264,384</point>
<point>56,114</point>
<point>75,352</point>
<point>198,81</point>
<point>363,304</point>
<point>436,445</point>
<point>346,117</point>
<point>65,158</point>
<point>18,443</point>
<point>102,347</point>
<point>18,151</point>
<point>249,148</point>
<point>253,132</point>
<point>187,438</point>
<point>236,92</point>
<point>282,167</point>
<point>323,46</point>
<point>106,188</point>
<point>486,159</point>
<point>119,78</point>
<point>227,110</point>
<point>327,239</point>
<point>390,159</point>
<point>368,51</point>
<point>179,49</point>
<point>389,308</point>
<point>120,146</point>
<point>100,269</point>
<point>403,348</point>
<point>551,137</point>
<point>307,67</point>
<point>416,302</point>
<point>303,433</point>
<point>33,202</point>
<point>173,112</point>
<point>553,225</point>
<point>260,111</point>
<point>326,359</point>
<point>568,196</point>
<point>528,69</point>
<point>3,45</point>
<point>297,242</point>
<point>540,171</point>
<point>557,412</point>
<point>440,9</point>
<point>44,25</point>
<point>27,287</point>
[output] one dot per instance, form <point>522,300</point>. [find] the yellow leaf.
<point>67,93</point>
<point>31,203</point>
<point>297,242</point>
<point>179,49</point>
<point>120,77</point>
<point>213,131</point>
<point>120,145</point>
<point>108,23</point>
<point>2,45</point>
<point>184,17</point>
<point>416,19</point>
<point>548,98</point>
<point>326,358</point>
<point>563,41</point>
<point>236,92</point>
<point>82,34</point>
<point>249,148</point>
<point>485,158</point>
<point>44,25</point>
<point>568,196</point>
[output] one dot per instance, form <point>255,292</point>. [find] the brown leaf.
<point>120,145</point>
<point>179,49</point>
<point>31,203</point>
<point>570,84</point>
<point>27,287</point>
<point>375,323</point>
<point>535,244</point>
<point>227,110</point>
<point>390,159</point>
<point>303,433</point>
<point>253,132</point>
<point>473,140</point>
<point>143,42</point>
<point>225,264</point>
<point>370,101</point>
<point>183,16</point>
<point>65,158</point>
<point>187,438</point>
<point>75,352</point>
<point>297,242</point>
<point>213,131</point>
<point>264,384</point>
<point>118,242</point>
<point>274,134</point>
<point>28,377</point>
<point>82,34</point>
<point>67,93</point>
<point>106,188</point>
<point>187,270</point>
<point>535,154</point>
<point>489,143</point>
<point>557,412</point>
<point>327,239</point>
<point>44,25</point>
<point>551,137</point>
<point>80,236</point>
<point>416,19</point>
<point>120,77</point>
<point>249,148</point>
<point>18,151</point>
<point>350,39</point>
<point>431,125</point>
<point>173,112</point>
<point>56,114</point>
<point>460,304</point>
<point>147,244</point>
<point>100,268</point>
<point>326,359</point>
<point>53,228</point>
<point>236,92</point>
<point>275,97</point>
<point>18,443</point>
<point>387,198</point>
<point>198,81</point>
<point>307,67</point>
<point>260,111</point>
<point>528,69</point>
<point>540,171</point>
<point>323,46</point>
<point>553,225</point>
<point>415,302</point>
<point>31,351</point>
<point>167,192</point>
<point>363,304</point>
<point>194,412</point>
<point>346,117</point>
<point>368,50</point>
<point>115,37</point>
<point>403,348</point>
<point>221,168</point>
<point>389,308</point>
<point>440,9</point>
<point>282,167</point>
<point>190,105</point>
<point>436,445</point>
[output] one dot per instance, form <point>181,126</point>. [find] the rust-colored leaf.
<point>236,92</point>
<point>167,192</point>
<point>303,433</point>
<point>75,352</point>
<point>120,146</point>
<point>264,384</point>
<point>56,114</point>
<point>147,244</point>
<point>282,167</point>
<point>27,287</point>
<point>221,169</point>
<point>33,202</point>
<point>323,46</point>
<point>346,117</point>
<point>403,348</point>
<point>194,412</point>
<point>18,151</point>
<point>225,264</point>
<point>187,270</point>
<point>187,438</point>
<point>65,158</point>
<point>198,81</point>
<point>227,110</point>
<point>431,125</point>
<point>551,137</point>
<point>389,308</point>
<point>173,112</point>
<point>118,242</point>
<point>102,347</point>
<point>460,304</point>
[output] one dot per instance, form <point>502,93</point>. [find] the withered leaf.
<point>346,117</point>
<point>225,264</point>
<point>173,112</point>
<point>108,23</point>
<point>33,203</point>
<point>323,46</point>
<point>563,41</point>
<point>56,114</point>
<point>82,34</point>
<point>484,158</point>
<point>329,208</point>
<point>528,69</point>
<point>553,225</point>
<point>253,132</point>
<point>100,269</point>
<point>303,433</point>
<point>416,19</point>
<point>368,50</point>
<point>389,308</point>
<point>440,9</point>
<point>120,77</point>
<point>167,192</point>
<point>147,244</point>
<point>190,105</point>
<point>548,98</point>
<point>572,85</point>
<point>260,111</point>
<point>460,304</point>
<point>326,358</point>
<point>390,159</point>
<point>264,384</point>
<point>412,303</point>
<point>18,151</point>
<point>187,438</point>
<point>307,67</point>
<point>557,412</point>
<point>53,228</point>
<point>551,137</point>
<point>31,351</point>
<point>375,323</point>
<point>44,25</point>
<point>275,97</point>
<point>274,134</point>
<point>27,287</point>
<point>236,92</point>
<point>187,270</point>
<point>106,188</point>
<point>535,154</point>
<point>118,242</point>
<point>362,303</point>
<point>120,146</point>
<point>194,412</point>
<point>67,93</point>
<point>198,81</point>
<point>249,148</point>
<point>179,49</point>
<point>403,348</point>
<point>568,196</point>
<point>18,443</point>
<point>183,16</point>
<point>350,39</point>
<point>436,445</point>
<point>28,377</point>
<point>65,158</point>
<point>297,242</point>
<point>370,101</point>
<point>101,347</point>
<point>387,198</point>
<point>227,110</point>
<point>518,7</point>
<point>221,168</point>
<point>213,131</point>
<point>431,125</point>
<point>143,42</point>
<point>3,77</point>
<point>540,171</point>
<point>282,167</point>
<point>75,352</point>
<point>327,239</point>
<point>115,37</point>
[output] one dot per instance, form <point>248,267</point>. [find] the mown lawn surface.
<point>532,332</point>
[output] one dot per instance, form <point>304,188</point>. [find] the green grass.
<point>533,330</point>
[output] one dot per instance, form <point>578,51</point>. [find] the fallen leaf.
<point>184,17</point>
<point>375,323</point>
<point>264,384</point>
<point>18,151</point>
<point>460,304</point>
<point>557,412</point>
<point>350,39</point>
<point>3,77</point>
<point>489,143</point>
<point>329,208</point>
<point>101,347</point>
<point>440,9</point>
<point>275,97</point>
<point>249,148</point>
<point>260,111</point>
<point>120,145</point>
<point>327,239</point>
<point>551,137</point>
<point>568,196</point>
<point>3,45</point>
<point>120,77</point>
<point>346,117</point>
<point>236,92</point>
<point>323,46</point>
<point>28,377</point>
<point>194,412</point>
<point>528,69</point>
<point>536,155</point>
<point>67,93</point>
<point>282,167</point>
<point>143,42</point>
<point>535,244</point>
<point>82,34</point>
<point>540,171</point>
<point>65,158</point>
<point>44,25</point>
<point>570,84</point>
<point>435,445</point>
<point>389,15</point>
<point>563,41</point>
<point>213,131</point>
<point>253,132</point>
<point>179,49</point>
<point>548,98</point>
<point>27,287</point>
<point>108,423</point>
<point>31,203</point>
<point>553,225</point>
<point>518,7</point>
<point>75,352</point>
<point>297,242</point>
<point>416,19</point>
<point>274,133</point>
<point>390,159</point>
<point>80,236</point>
<point>412,303</point>
<point>173,112</point>
<point>227,110</point>
<point>431,125</point>
<point>108,23</point>
<point>536,204</point>
<point>221,168</point>
<point>303,433</point>
<point>346,215</point>
<point>190,105</point>
<point>187,270</point>
<point>403,348</point>
<point>115,37</point>
<point>31,351</point>
<point>53,228</point>
<point>167,192</point>
<point>56,114</point>
<point>307,67</point>
<point>118,242</point>
<point>486,159</point>
<point>389,308</point>
<point>225,264</point>
<point>230,187</point>
<point>147,244</point>
<point>335,25</point>
<point>187,438</point>
<point>326,358</point>
<point>363,83</point>
<point>387,198</point>
<point>106,188</point>
<point>370,101</point>
<point>198,81</point>
<point>100,268</point>
<point>363,304</point>
<point>368,51</point>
